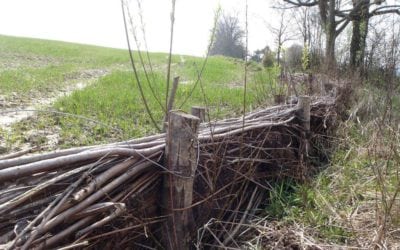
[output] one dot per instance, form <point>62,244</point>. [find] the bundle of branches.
<point>108,196</point>
<point>237,170</point>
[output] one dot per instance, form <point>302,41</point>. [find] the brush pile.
<point>109,196</point>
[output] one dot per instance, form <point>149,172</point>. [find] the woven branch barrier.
<point>113,197</point>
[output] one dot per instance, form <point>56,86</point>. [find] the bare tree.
<point>331,26</point>
<point>374,41</point>
<point>309,27</point>
<point>282,35</point>
<point>229,37</point>
<point>303,22</point>
<point>336,15</point>
<point>360,16</point>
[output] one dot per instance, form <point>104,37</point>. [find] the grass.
<point>62,52</point>
<point>115,100</point>
<point>28,80</point>
<point>354,201</point>
<point>29,65</point>
<point>34,68</point>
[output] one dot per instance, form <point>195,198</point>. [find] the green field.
<point>352,201</point>
<point>31,69</point>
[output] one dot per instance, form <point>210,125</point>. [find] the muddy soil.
<point>15,108</point>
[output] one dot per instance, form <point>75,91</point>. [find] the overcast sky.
<point>100,22</point>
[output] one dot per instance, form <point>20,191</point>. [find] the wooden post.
<point>199,112</point>
<point>310,83</point>
<point>279,98</point>
<point>181,161</point>
<point>171,99</point>
<point>304,109</point>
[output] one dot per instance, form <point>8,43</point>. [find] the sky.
<point>100,22</point>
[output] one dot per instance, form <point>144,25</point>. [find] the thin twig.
<point>172,18</point>
<point>138,82</point>
<point>141,58</point>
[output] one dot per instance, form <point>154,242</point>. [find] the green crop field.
<point>109,106</point>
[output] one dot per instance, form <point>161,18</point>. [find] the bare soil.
<point>16,108</point>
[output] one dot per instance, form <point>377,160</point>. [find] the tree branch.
<point>342,27</point>
<point>395,9</point>
<point>300,3</point>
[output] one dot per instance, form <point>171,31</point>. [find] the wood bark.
<point>359,35</point>
<point>199,112</point>
<point>181,161</point>
<point>67,161</point>
<point>171,100</point>
<point>331,36</point>
<point>304,113</point>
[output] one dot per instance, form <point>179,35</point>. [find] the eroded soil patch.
<point>19,108</point>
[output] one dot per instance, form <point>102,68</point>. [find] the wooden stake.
<point>181,160</point>
<point>279,98</point>
<point>304,116</point>
<point>304,111</point>
<point>171,99</point>
<point>199,112</point>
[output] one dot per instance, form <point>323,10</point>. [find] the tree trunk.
<point>359,37</point>
<point>278,53</point>
<point>330,36</point>
<point>330,49</point>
